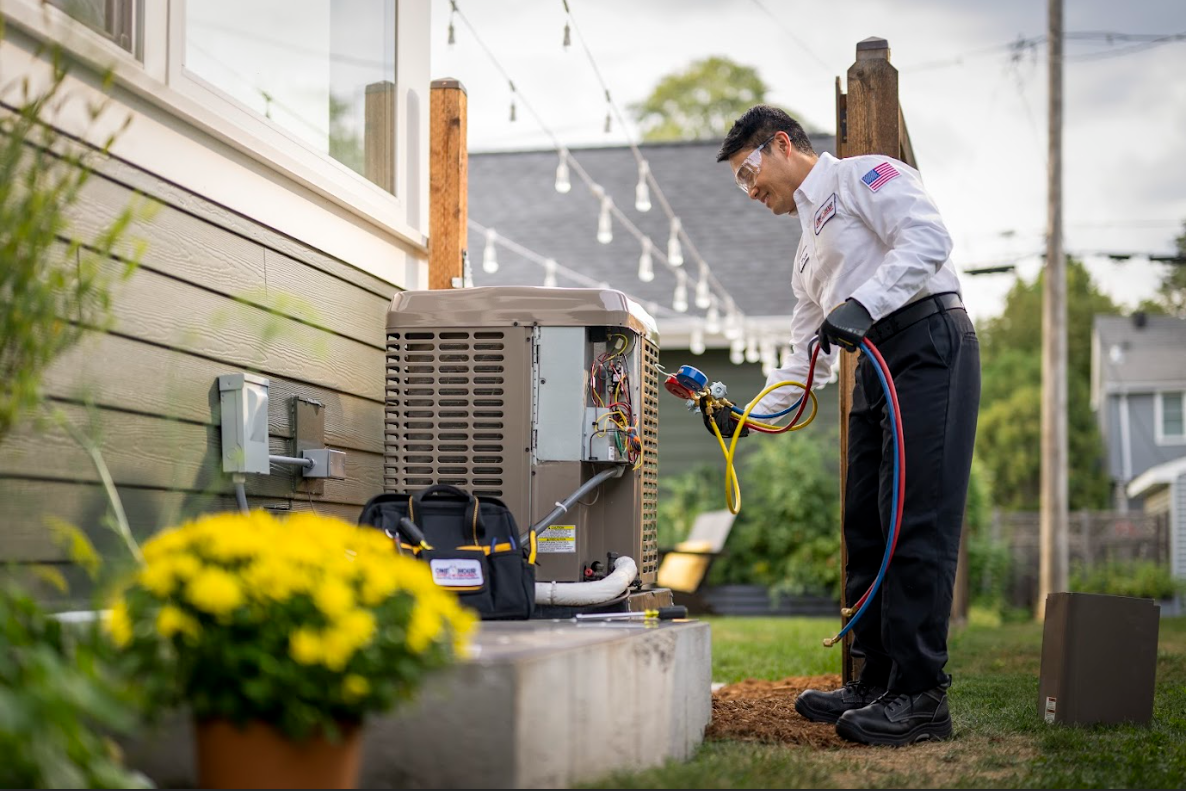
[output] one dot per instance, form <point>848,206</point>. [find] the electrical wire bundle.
<point>609,387</point>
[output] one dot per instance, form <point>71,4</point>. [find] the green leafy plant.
<point>305,625</point>
<point>60,694</point>
<point>1140,578</point>
<point>51,290</point>
<point>787,535</point>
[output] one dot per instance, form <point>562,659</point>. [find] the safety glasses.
<point>750,166</point>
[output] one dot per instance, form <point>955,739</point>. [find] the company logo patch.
<point>825,213</point>
<point>456,572</point>
<point>879,175</point>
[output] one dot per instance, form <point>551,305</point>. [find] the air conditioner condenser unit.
<point>526,394</point>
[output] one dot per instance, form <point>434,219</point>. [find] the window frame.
<point>271,140</point>
<point>159,79</point>
<point>1159,417</point>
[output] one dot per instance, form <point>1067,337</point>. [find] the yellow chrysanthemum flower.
<point>357,626</point>
<point>305,646</point>
<point>171,620</point>
<point>354,687</point>
<point>215,591</point>
<point>333,597</point>
<point>119,624</point>
<point>337,648</point>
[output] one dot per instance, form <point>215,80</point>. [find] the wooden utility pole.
<point>1054,516</point>
<point>448,176</point>
<point>868,121</point>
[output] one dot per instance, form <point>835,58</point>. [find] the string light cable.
<point>673,260</point>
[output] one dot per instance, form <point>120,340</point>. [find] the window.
<point>117,20</point>
<point>323,71</point>
<point>1171,417</point>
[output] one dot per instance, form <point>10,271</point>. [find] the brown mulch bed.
<point>764,711</point>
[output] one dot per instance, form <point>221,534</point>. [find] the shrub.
<point>1140,578</point>
<point>59,694</point>
<point>787,535</point>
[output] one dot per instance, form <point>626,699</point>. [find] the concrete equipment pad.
<point>539,704</point>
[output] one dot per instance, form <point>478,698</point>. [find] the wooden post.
<point>379,137</point>
<point>448,185</point>
<point>1053,501</point>
<point>869,122</point>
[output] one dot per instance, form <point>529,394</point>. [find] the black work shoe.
<point>897,720</point>
<point>820,706</point>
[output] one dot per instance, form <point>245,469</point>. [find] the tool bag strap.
<point>473,510</point>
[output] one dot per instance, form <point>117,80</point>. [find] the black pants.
<point>935,364</point>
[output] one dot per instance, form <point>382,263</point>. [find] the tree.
<point>701,102</point>
<point>1009,432</point>
<point>1172,291</point>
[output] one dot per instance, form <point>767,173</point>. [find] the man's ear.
<point>783,140</point>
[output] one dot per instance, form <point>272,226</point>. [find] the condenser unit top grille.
<point>515,306</point>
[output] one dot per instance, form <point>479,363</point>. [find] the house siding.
<point>1146,452</point>
<point>1178,526</point>
<point>215,293</point>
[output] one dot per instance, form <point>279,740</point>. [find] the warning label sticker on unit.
<point>559,538</point>
<point>1051,705</point>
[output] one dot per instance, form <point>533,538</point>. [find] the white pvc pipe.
<point>595,592</point>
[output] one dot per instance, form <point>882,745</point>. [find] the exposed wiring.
<point>241,493</point>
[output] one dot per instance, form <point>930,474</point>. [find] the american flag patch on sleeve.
<point>879,176</point>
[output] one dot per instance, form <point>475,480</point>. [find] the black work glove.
<point>724,418</point>
<point>846,325</point>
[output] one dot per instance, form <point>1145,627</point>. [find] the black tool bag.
<point>473,546</point>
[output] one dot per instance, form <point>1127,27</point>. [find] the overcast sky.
<point>975,111</point>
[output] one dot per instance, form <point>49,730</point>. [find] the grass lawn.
<point>1000,740</point>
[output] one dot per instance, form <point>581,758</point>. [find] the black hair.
<point>758,124</point>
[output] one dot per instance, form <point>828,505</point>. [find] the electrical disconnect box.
<point>525,394</point>
<point>243,402</point>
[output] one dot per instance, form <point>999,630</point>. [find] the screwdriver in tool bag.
<point>661,614</point>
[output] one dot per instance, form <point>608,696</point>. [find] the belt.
<point>913,313</point>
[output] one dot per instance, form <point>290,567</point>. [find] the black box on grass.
<point>1099,659</point>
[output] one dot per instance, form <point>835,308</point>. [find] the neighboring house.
<point>748,250</point>
<point>1139,393</point>
<point>286,154</point>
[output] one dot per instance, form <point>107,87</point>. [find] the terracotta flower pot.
<point>259,756</point>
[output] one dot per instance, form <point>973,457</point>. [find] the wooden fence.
<point>1094,538</point>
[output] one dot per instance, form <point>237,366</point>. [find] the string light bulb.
<point>703,295</point>
<point>696,344</point>
<point>452,14</point>
<point>550,273</point>
<point>563,184</point>
<point>512,102</point>
<point>679,302</point>
<point>737,351</point>
<point>751,350</point>
<point>646,267</point>
<point>490,255</point>
<point>733,329</point>
<point>675,253</point>
<point>605,226</point>
<point>712,319</point>
<point>642,193</point>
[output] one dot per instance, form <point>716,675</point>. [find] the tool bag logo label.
<point>456,572</point>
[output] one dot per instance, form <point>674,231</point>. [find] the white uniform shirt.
<point>870,232</point>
